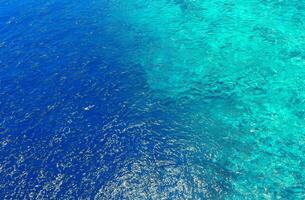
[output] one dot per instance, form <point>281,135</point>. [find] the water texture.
<point>152,99</point>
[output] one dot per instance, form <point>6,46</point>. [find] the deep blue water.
<point>98,102</point>
<point>75,123</point>
<point>65,102</point>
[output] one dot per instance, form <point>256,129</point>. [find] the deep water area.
<point>152,99</point>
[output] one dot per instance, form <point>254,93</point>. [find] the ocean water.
<point>152,99</point>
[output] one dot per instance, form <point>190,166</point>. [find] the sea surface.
<point>152,99</point>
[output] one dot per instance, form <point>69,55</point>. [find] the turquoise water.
<point>238,66</point>
<point>152,99</point>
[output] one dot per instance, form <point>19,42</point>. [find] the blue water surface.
<point>100,100</point>
<point>75,123</point>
